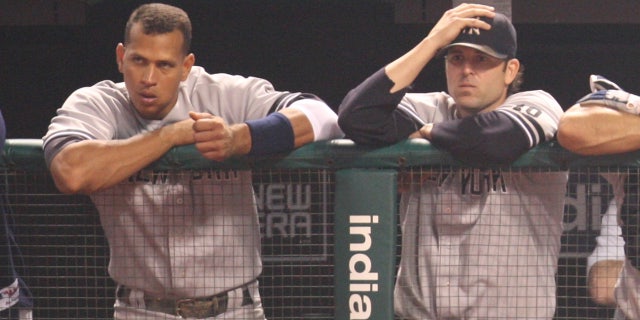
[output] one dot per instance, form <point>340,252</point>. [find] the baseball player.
<point>476,242</point>
<point>606,122</point>
<point>182,244</point>
<point>15,298</point>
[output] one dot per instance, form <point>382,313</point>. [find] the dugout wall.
<point>309,202</point>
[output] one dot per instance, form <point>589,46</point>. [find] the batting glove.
<point>613,99</point>
<point>597,83</point>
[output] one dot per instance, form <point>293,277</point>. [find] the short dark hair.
<point>515,85</point>
<point>158,18</point>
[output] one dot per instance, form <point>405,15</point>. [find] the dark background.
<point>325,47</point>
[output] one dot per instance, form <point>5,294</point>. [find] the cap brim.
<point>485,49</point>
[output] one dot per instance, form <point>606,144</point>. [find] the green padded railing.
<point>335,154</point>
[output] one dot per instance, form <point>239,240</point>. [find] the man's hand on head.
<point>453,21</point>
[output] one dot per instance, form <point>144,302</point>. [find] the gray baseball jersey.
<point>481,243</point>
<point>627,293</point>
<point>176,234</point>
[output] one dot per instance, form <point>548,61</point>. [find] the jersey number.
<point>528,110</point>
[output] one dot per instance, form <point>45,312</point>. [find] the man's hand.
<point>424,132</point>
<point>455,20</point>
<point>215,139</point>
<point>404,70</point>
<point>178,134</point>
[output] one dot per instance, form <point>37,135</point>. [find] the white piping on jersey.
<point>533,136</point>
<point>286,101</point>
<point>409,111</point>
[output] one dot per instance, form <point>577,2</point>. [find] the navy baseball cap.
<point>500,41</point>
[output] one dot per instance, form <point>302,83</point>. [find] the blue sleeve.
<point>486,139</point>
<point>3,131</point>
<point>369,115</point>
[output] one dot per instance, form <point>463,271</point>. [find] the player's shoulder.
<point>534,93</point>
<point>538,98</point>
<point>430,106</point>
<point>429,99</point>
<point>199,77</point>
<point>103,87</point>
<point>200,74</point>
<point>102,95</point>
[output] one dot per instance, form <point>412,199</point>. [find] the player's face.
<point>477,82</point>
<point>153,67</point>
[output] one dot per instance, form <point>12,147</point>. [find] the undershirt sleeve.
<point>486,139</point>
<point>369,115</point>
<point>501,136</point>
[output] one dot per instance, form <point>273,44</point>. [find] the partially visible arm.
<point>485,139</point>
<point>88,166</point>
<point>307,120</point>
<point>598,130</point>
<point>369,113</point>
<point>603,277</point>
<point>3,132</point>
<point>606,260</point>
<point>501,136</point>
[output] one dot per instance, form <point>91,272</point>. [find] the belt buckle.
<point>197,308</point>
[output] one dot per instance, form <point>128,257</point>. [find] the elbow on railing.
<point>71,183</point>
<point>70,178</point>
<point>571,135</point>
<point>572,140</point>
<point>366,135</point>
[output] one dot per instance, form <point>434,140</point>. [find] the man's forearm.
<point>91,165</point>
<point>599,130</point>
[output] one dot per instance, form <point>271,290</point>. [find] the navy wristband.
<point>271,134</point>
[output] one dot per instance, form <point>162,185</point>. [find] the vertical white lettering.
<point>360,259</point>
<point>362,278</point>
<point>365,232</point>
<point>359,307</point>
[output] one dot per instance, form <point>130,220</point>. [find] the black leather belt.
<point>198,308</point>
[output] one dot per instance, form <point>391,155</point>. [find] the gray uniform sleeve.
<point>88,113</point>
